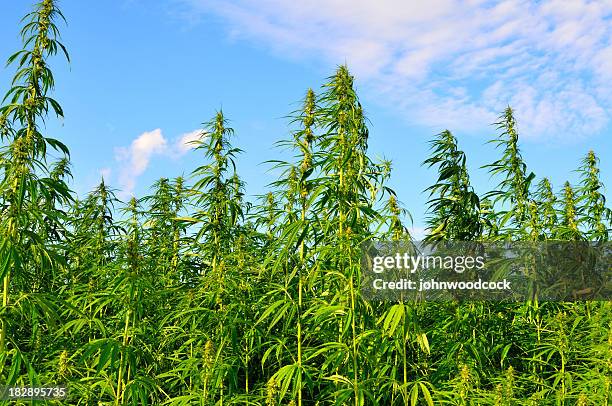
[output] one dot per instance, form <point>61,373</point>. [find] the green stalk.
<point>246,383</point>
<point>305,144</point>
<point>119,396</point>
<point>299,316</point>
<point>299,341</point>
<point>5,302</point>
<point>354,337</point>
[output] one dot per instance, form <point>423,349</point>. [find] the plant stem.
<point>5,302</point>
<point>119,396</point>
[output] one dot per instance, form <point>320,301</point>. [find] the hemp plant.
<point>215,190</point>
<point>30,193</point>
<point>592,201</point>
<point>349,178</point>
<point>514,188</point>
<point>456,207</point>
<point>292,259</point>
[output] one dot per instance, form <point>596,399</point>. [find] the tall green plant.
<point>30,191</point>
<point>591,200</point>
<point>455,209</point>
<point>215,189</point>
<point>514,188</point>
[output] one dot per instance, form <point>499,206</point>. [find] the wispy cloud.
<point>185,142</point>
<point>447,63</point>
<point>134,160</point>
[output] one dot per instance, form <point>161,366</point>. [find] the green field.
<point>199,295</point>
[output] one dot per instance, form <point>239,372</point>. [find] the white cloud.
<point>134,160</point>
<point>451,63</point>
<point>185,142</point>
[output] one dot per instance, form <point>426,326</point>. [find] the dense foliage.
<point>193,295</point>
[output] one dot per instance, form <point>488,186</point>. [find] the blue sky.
<point>145,74</point>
